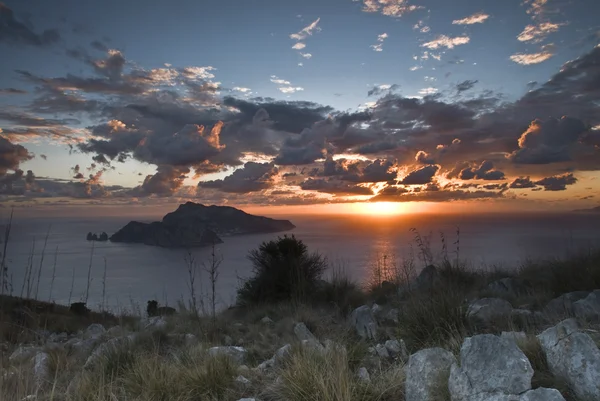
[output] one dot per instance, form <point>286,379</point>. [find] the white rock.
<point>426,374</point>
<point>306,337</point>
<point>242,380</point>
<point>542,394</point>
<point>237,354</point>
<point>488,365</point>
<point>248,399</point>
<point>363,375</point>
<point>156,323</point>
<point>376,309</point>
<point>397,348</point>
<point>23,354</point>
<point>489,310</point>
<point>391,315</point>
<point>588,308</point>
<point>382,351</point>
<point>58,337</point>
<point>95,330</point>
<point>266,320</point>
<point>573,356</point>
<point>364,322</point>
<point>105,348</point>
<point>41,370</point>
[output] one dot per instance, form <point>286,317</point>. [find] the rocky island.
<point>195,225</point>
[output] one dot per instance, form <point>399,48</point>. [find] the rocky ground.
<point>503,342</point>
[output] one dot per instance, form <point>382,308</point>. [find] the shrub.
<point>283,270</point>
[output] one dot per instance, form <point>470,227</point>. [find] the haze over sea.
<point>136,273</point>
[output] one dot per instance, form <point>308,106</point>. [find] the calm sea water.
<point>137,273</point>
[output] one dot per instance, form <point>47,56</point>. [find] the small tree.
<point>212,268</point>
<point>283,270</point>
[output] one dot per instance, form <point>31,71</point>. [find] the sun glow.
<point>381,208</point>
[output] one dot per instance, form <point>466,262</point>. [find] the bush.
<point>283,270</point>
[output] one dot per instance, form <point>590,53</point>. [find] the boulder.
<point>364,322</point>
<point>242,380</point>
<point>156,323</point>
<point>427,374</point>
<point>307,338</point>
<point>376,309</point>
<point>41,370</point>
<point>588,308</point>
<point>489,366</point>
<point>563,306</point>
<point>106,348</point>
<point>489,310</point>
<point>363,375</point>
<point>23,354</point>
<point>382,351</point>
<point>542,394</point>
<point>573,356</point>
<point>58,337</point>
<point>95,330</point>
<point>266,320</point>
<point>397,349</point>
<point>81,348</point>
<point>237,354</point>
<point>391,316</point>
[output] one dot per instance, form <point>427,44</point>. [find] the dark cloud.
<point>420,176</point>
<point>549,141</point>
<point>485,171</point>
<point>424,158</point>
<point>433,196</point>
<point>381,89</point>
<point>334,187</point>
<point>360,171</point>
<point>16,32</point>
<point>11,155</point>
<point>466,85</point>
<point>292,155</point>
<point>250,178</point>
<point>558,182</point>
<point>12,91</point>
<point>98,45</point>
<point>522,183</point>
<point>165,182</point>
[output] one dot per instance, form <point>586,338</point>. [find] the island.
<point>95,237</point>
<point>194,225</point>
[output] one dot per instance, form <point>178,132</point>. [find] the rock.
<point>242,380</point>
<point>306,337</point>
<point>427,373</point>
<point>190,340</point>
<point>248,399</point>
<point>23,354</point>
<point>266,320</point>
<point>516,336</point>
<point>81,348</point>
<point>363,375</point>
<point>41,370</point>
<point>489,365</point>
<point>508,285</point>
<point>237,354</point>
<point>107,347</point>
<point>364,322</point>
<point>397,349</point>
<point>332,346</point>
<point>489,310</point>
<point>588,308</point>
<point>94,331</point>
<point>58,337</point>
<point>194,225</point>
<point>542,394</point>
<point>156,323</point>
<point>382,351</point>
<point>391,316</point>
<point>376,309</point>
<point>563,305</point>
<point>277,358</point>
<point>115,331</point>
<point>573,356</point>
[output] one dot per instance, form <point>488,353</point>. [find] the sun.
<point>381,208</point>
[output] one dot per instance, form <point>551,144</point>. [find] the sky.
<point>372,105</point>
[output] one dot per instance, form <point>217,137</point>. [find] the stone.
<point>237,354</point>
<point>516,336</point>
<point>242,380</point>
<point>95,330</point>
<point>304,335</point>
<point>397,349</point>
<point>563,306</point>
<point>542,394</point>
<point>266,320</point>
<point>364,322</point>
<point>115,331</point>
<point>105,348</point>
<point>573,356</point>
<point>507,285</point>
<point>248,399</point>
<point>391,316</point>
<point>156,323</point>
<point>23,354</point>
<point>588,308</point>
<point>376,309</point>
<point>190,340</point>
<point>58,337</point>
<point>382,351</point>
<point>427,374</point>
<point>489,365</point>
<point>489,310</point>
<point>41,370</point>
<point>363,375</point>
<point>81,348</point>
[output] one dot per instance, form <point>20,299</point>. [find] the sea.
<point>121,278</point>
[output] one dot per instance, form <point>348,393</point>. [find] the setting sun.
<point>381,208</point>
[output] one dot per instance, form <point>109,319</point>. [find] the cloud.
<point>402,195</point>
<point>477,18</point>
<point>391,8</point>
<point>12,91</point>
<point>522,183</point>
<point>466,85</point>
<point>15,32</point>
<point>334,187</point>
<point>379,46</point>
<point>549,141</point>
<point>307,30</point>
<point>447,42</point>
<point>558,182</point>
<point>241,89</point>
<point>285,86</point>
<point>165,182</point>
<point>381,89</point>
<point>424,158</point>
<point>306,55</point>
<point>531,58</point>
<point>250,178</point>
<point>537,33</point>
<point>420,176</point>
<point>428,91</point>
<point>11,155</point>
<point>359,171</point>
<point>299,46</point>
<point>483,172</point>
